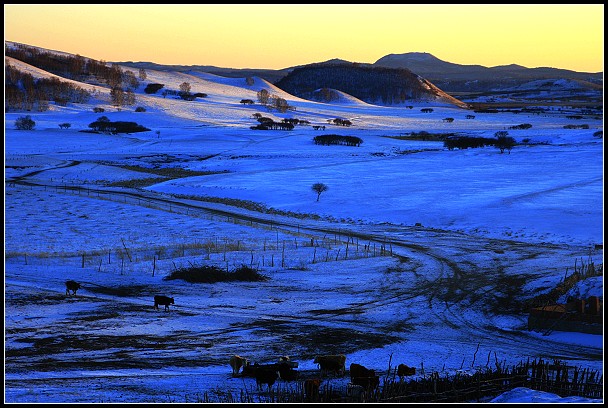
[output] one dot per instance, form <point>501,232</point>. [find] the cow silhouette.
<point>163,300</point>
<point>71,286</point>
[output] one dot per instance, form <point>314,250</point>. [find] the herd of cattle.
<point>285,369</point>
<point>364,378</point>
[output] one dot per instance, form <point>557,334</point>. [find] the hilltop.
<point>453,77</point>
<point>373,85</point>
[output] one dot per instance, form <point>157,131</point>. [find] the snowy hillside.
<point>415,253</point>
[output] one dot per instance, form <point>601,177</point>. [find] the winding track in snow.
<point>454,288</point>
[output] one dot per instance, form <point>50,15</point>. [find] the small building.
<point>578,315</point>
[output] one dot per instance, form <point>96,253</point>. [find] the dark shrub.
<point>153,88</point>
<point>523,126</point>
<point>25,123</point>
<point>98,110</point>
<point>140,109</point>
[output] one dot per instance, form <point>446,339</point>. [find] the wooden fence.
<point>555,377</point>
<point>482,386</point>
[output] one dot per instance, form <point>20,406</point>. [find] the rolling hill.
<point>373,85</point>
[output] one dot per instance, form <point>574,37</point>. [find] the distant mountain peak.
<point>409,56</point>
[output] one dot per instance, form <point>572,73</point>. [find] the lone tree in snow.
<point>504,141</point>
<point>319,188</point>
<point>185,87</point>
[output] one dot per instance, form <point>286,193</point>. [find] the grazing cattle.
<point>236,362</point>
<point>71,286</point>
<point>335,363</point>
<point>403,370</point>
<point>365,377</point>
<point>311,389</point>
<point>249,369</point>
<point>286,371</point>
<point>163,300</point>
<point>266,375</point>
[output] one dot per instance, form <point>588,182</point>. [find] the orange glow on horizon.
<point>281,36</point>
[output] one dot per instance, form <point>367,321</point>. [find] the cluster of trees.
<point>327,140</point>
<point>502,141</point>
<point>122,84</point>
<point>585,126</point>
<point>68,66</point>
<point>296,121</point>
<point>523,126</point>
<point>340,122</point>
<point>269,124</point>
<point>273,101</point>
<point>464,142</point>
<point>104,125</point>
<point>326,95</point>
<point>24,92</point>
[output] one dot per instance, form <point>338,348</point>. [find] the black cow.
<point>365,377</point>
<point>72,286</point>
<point>249,369</point>
<point>286,371</point>
<point>403,370</point>
<point>334,363</point>
<point>163,300</point>
<point>266,375</point>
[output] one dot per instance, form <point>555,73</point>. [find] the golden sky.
<point>281,36</point>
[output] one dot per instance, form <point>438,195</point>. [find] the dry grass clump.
<point>580,273</point>
<point>212,274</point>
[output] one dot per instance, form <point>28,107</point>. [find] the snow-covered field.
<point>415,254</point>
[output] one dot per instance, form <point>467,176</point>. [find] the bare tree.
<point>117,95</point>
<point>319,188</point>
<point>185,87</point>
<point>142,74</point>
<point>263,96</point>
<point>130,80</point>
